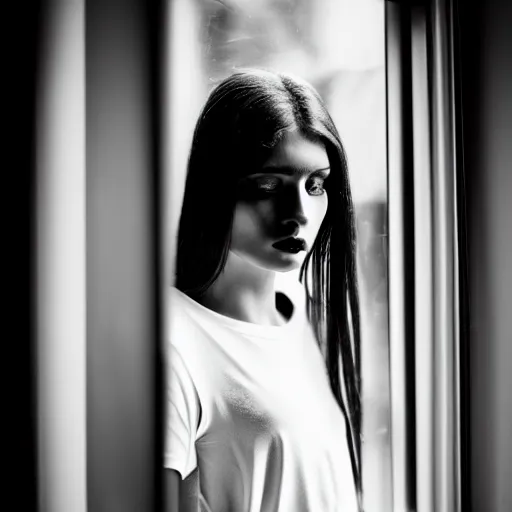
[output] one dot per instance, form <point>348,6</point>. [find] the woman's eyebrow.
<point>288,170</point>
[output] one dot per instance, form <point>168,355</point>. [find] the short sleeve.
<point>183,413</point>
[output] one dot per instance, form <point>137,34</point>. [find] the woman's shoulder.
<point>176,305</point>
<point>183,323</point>
<point>176,298</point>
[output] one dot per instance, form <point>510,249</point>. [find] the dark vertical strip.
<point>476,237</point>
<point>486,74</point>
<point>407,153</point>
<point>28,498</point>
<point>20,71</point>
<point>408,230</point>
<point>465,404</point>
<point>124,388</point>
<point>156,38</point>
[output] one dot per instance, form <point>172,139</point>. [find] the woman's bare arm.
<point>181,495</point>
<point>172,481</point>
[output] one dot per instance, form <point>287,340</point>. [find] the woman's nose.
<point>294,211</point>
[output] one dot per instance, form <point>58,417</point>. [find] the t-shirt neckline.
<point>259,330</point>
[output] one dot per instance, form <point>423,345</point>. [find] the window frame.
<point>427,263</point>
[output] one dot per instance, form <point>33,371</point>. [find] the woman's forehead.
<point>295,153</point>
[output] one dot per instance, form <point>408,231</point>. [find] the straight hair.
<point>244,118</point>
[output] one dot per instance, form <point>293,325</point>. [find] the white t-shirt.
<point>251,406</point>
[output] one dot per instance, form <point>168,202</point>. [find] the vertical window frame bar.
<point>399,160</point>
<point>437,306</point>
<point>446,257</point>
<point>424,265</point>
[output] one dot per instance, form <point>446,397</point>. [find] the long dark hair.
<point>243,119</point>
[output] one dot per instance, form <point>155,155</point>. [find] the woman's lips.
<point>292,245</point>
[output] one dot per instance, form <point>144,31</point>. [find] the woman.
<point>264,407</point>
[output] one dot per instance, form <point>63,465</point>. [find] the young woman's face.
<point>280,209</point>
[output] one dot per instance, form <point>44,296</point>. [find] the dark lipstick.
<point>292,245</point>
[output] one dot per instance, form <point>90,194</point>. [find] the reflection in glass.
<point>338,46</point>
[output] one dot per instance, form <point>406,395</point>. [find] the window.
<point>388,73</point>
<point>338,46</point>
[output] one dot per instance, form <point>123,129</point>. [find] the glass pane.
<point>338,46</point>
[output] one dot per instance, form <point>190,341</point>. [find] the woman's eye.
<point>258,188</point>
<point>316,187</point>
<point>267,184</point>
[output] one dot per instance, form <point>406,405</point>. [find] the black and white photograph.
<point>264,254</point>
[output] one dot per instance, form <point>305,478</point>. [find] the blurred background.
<point>339,47</point>
<point>85,416</point>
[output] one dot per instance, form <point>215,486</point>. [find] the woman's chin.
<point>275,261</point>
<point>288,261</point>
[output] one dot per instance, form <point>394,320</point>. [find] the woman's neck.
<point>244,292</point>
